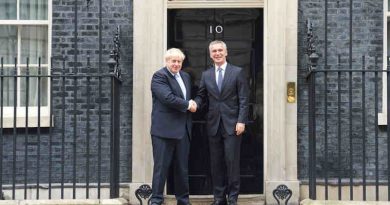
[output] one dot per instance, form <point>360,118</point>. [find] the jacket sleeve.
<point>243,97</point>
<point>202,92</point>
<point>162,90</point>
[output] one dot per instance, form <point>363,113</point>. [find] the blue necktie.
<point>220,78</point>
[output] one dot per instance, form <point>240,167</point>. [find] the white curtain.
<point>7,9</point>
<point>34,45</point>
<point>33,87</point>
<point>8,49</point>
<point>33,9</point>
<point>8,44</point>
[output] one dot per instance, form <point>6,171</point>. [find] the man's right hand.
<point>193,106</point>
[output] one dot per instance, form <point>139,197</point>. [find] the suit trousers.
<point>164,152</point>
<point>225,164</point>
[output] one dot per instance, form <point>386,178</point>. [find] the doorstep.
<point>247,199</point>
<point>333,202</point>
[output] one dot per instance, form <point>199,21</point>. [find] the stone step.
<point>248,199</point>
<point>333,202</point>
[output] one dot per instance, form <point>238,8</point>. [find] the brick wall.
<point>367,35</point>
<point>116,12</point>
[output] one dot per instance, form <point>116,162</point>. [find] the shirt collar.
<point>223,67</point>
<point>173,74</point>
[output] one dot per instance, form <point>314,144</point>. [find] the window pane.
<point>33,87</point>
<point>33,9</point>
<point>8,9</point>
<point>34,44</point>
<point>8,44</point>
<point>7,87</point>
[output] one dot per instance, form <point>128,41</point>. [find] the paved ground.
<point>330,202</point>
<point>255,199</point>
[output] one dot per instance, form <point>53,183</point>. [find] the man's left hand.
<point>240,128</point>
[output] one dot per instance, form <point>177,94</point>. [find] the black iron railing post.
<point>100,96</point>
<point>376,132</point>
<point>26,154</point>
<point>326,100</point>
<point>50,130</point>
<point>1,125</point>
<point>15,102</point>
<point>339,166</point>
<point>313,57</point>
<point>388,127</point>
<point>88,137</point>
<point>312,136</point>
<point>39,128</point>
<point>115,133</point>
<point>75,97</point>
<point>364,134</point>
<point>115,71</point>
<point>63,91</point>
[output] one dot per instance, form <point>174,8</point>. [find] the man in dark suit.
<point>226,89</point>
<point>171,127</point>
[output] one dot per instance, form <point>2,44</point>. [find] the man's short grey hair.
<point>174,52</point>
<point>218,42</point>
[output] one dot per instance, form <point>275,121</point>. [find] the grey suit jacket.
<point>231,105</point>
<point>170,117</point>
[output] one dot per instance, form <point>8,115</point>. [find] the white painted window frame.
<point>8,112</point>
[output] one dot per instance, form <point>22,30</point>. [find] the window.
<point>25,27</point>
<point>382,117</point>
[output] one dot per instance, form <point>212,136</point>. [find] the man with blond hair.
<point>171,127</point>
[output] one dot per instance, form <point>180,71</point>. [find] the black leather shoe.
<point>181,203</point>
<point>216,202</point>
<point>232,202</point>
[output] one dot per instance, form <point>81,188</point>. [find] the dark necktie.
<point>220,78</point>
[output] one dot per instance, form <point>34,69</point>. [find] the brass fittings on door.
<point>291,97</point>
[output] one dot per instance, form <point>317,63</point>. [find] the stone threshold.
<point>334,202</point>
<point>247,199</point>
<point>119,201</point>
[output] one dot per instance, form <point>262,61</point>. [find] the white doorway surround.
<point>280,67</point>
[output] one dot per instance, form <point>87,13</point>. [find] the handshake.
<point>193,106</point>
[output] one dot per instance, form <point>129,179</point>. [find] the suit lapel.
<point>173,82</point>
<point>226,77</point>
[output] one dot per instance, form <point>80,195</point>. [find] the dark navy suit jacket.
<point>170,117</point>
<point>230,105</point>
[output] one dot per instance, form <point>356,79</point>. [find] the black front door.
<point>242,29</point>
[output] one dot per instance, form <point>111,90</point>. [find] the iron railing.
<point>77,149</point>
<point>348,150</point>
<point>59,123</point>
